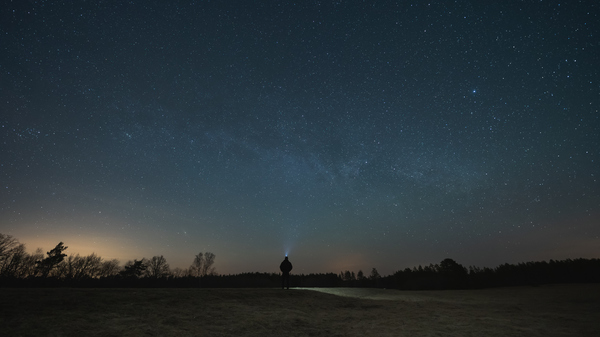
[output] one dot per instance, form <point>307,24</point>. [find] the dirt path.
<point>370,293</point>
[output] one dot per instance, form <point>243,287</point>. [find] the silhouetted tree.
<point>76,267</point>
<point>29,266</point>
<point>65,269</point>
<point>361,279</point>
<point>203,264</point>
<point>374,277</point>
<point>7,243</point>
<point>133,269</point>
<point>374,274</point>
<point>12,256</point>
<point>109,268</point>
<point>196,267</point>
<point>209,261</point>
<point>454,275</point>
<point>348,278</point>
<point>55,256</point>
<point>157,267</point>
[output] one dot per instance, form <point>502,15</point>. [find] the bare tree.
<point>197,265</point>
<point>91,266</point>
<point>7,243</point>
<point>13,260</point>
<point>157,267</point>
<point>65,268</point>
<point>30,263</point>
<point>78,267</point>
<point>209,261</point>
<point>109,268</point>
<point>203,264</point>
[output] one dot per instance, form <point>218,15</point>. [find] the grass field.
<point>553,310</point>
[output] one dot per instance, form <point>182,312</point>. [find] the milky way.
<point>349,135</point>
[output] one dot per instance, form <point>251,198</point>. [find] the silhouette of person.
<point>285,267</point>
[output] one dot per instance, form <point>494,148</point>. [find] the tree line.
<point>55,268</point>
<point>449,274</point>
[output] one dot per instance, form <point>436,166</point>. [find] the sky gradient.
<point>348,134</point>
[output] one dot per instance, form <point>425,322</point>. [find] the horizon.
<point>349,136</point>
<point>300,267</point>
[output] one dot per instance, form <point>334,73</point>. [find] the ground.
<point>552,310</point>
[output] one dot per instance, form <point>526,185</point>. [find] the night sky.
<point>349,134</point>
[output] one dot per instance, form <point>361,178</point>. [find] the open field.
<point>553,310</point>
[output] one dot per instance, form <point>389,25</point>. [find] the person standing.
<point>285,267</point>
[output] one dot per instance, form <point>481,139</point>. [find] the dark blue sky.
<point>349,134</point>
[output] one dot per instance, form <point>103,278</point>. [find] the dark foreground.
<point>553,310</point>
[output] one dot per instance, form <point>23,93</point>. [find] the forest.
<point>55,269</point>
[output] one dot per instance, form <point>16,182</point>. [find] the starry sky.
<point>348,134</point>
